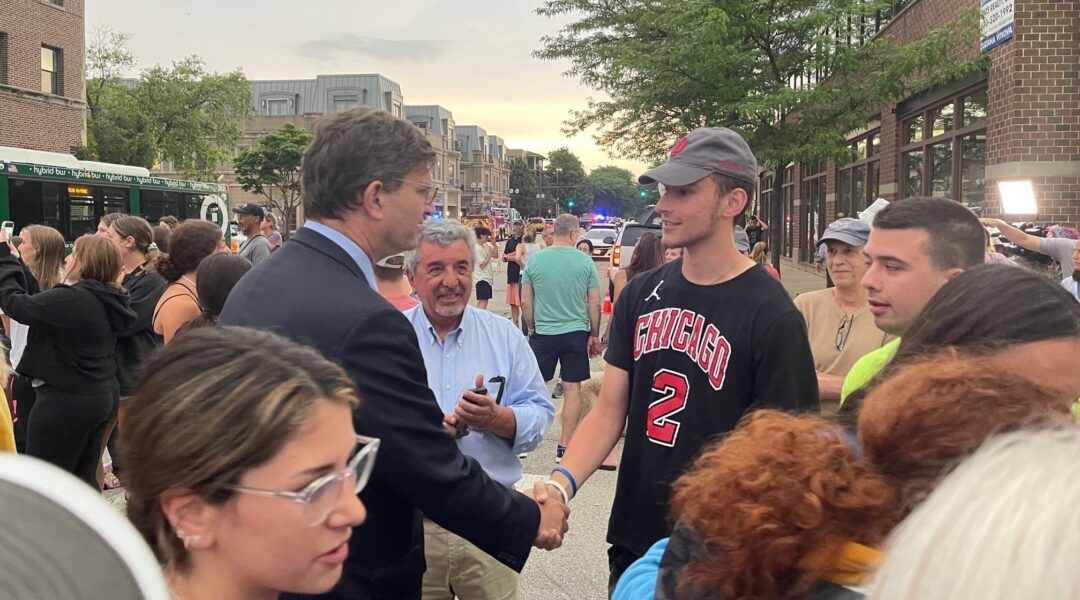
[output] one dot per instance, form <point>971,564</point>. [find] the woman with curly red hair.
<point>780,508</point>
<point>784,508</point>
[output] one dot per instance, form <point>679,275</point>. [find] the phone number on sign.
<point>996,13</point>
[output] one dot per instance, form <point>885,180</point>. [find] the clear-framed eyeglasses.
<point>430,198</point>
<point>320,496</point>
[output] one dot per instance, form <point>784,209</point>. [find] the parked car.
<point>623,248</point>
<point>601,239</point>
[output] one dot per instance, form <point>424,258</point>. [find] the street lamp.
<point>540,203</point>
<point>476,189</point>
<point>557,187</point>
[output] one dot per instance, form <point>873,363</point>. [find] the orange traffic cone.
<point>607,303</point>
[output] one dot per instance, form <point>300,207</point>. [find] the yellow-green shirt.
<point>870,365</point>
<point>867,367</point>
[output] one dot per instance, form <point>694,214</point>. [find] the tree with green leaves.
<point>565,181</point>
<point>272,170</point>
<point>523,179</point>
<point>199,115</point>
<point>614,191</point>
<point>116,131</point>
<point>182,114</point>
<point>794,77</point>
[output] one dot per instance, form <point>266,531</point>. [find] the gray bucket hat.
<point>702,152</point>
<point>853,232</point>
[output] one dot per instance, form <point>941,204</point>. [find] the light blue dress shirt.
<point>350,247</point>
<point>490,345</point>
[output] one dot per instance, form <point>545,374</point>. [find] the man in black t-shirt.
<point>694,345</point>
<point>512,258</point>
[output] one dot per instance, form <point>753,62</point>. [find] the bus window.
<point>157,204</point>
<point>34,203</point>
<point>193,206</point>
<point>81,218</point>
<point>114,200</point>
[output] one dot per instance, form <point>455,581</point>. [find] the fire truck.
<point>497,218</point>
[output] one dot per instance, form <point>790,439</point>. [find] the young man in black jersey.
<point>694,345</point>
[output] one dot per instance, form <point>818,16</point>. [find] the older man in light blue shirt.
<point>464,348</point>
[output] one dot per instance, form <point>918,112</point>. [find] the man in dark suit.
<point>367,187</point>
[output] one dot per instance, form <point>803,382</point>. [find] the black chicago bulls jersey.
<point>698,357</point>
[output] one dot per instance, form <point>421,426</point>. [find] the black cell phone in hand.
<point>460,429</point>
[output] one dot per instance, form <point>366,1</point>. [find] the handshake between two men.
<point>479,410</point>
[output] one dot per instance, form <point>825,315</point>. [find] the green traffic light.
<point>643,193</point>
<point>570,202</point>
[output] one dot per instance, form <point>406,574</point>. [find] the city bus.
<point>71,195</point>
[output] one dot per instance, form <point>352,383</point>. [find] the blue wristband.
<point>569,477</point>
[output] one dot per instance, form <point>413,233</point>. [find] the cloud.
<point>348,45</point>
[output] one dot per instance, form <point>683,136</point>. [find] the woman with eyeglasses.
<point>244,480</point>
<point>838,319</point>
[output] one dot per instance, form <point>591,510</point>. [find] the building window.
<point>50,70</point>
<point>764,209</point>
<point>860,177</point>
<point>813,208</point>
<point>345,102</point>
<point>280,107</point>
<point>3,58</point>
<point>944,150</point>
<point>57,2</point>
<point>787,208</point>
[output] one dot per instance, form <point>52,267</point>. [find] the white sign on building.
<point>997,23</point>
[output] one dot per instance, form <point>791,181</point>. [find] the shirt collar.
<point>456,336</point>
<point>350,247</point>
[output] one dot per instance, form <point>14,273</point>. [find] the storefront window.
<point>973,169</point>
<point>975,107</point>
<point>844,204</point>
<point>941,157</point>
<point>764,209</point>
<point>956,155</point>
<point>859,178</point>
<point>913,129</point>
<point>941,119</point>
<point>813,209</point>
<point>788,192</point>
<point>913,166</point>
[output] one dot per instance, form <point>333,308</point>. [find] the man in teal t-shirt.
<point>560,301</point>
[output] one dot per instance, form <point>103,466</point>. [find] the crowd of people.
<point>334,417</point>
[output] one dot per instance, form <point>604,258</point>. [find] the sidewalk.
<point>798,280</point>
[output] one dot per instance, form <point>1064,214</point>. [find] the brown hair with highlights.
<point>205,414</point>
<point>98,260</point>
<point>918,424</point>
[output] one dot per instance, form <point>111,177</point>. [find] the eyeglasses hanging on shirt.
<point>844,330</point>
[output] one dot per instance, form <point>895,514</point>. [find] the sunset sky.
<point>472,56</point>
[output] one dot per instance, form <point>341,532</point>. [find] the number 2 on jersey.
<point>673,388</point>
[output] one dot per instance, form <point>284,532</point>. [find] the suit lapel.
<point>324,245</point>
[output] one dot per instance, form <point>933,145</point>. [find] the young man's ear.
<point>735,203</point>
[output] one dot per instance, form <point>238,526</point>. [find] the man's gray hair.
<point>565,224</point>
<point>442,232</point>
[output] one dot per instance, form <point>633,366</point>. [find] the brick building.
<point>42,87</point>
<point>1019,120</point>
